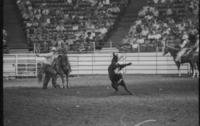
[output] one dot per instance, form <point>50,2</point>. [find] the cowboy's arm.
<point>124,65</point>
<point>44,55</point>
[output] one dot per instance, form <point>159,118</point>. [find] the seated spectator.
<point>60,27</point>
<point>60,44</point>
<point>4,34</point>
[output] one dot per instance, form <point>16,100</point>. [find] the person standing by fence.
<point>49,64</point>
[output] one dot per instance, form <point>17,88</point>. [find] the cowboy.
<point>49,57</point>
<point>183,46</point>
<point>115,75</point>
<point>49,64</point>
<point>193,44</point>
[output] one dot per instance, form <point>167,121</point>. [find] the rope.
<point>172,48</point>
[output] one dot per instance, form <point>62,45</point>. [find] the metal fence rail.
<point>94,63</point>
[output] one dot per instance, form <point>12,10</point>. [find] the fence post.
<point>110,44</point>
<point>138,47</point>
<point>36,66</point>
<point>26,67</point>
<point>34,48</point>
<point>157,60</point>
<point>92,63</point>
<point>78,63</point>
<point>93,47</point>
<point>16,65</point>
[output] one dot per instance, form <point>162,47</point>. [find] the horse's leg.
<point>67,80</point>
<point>122,83</point>
<point>197,63</point>
<point>179,72</point>
<point>191,68</point>
<point>54,79</point>
<point>194,69</point>
<point>197,70</point>
<point>46,81</point>
<point>115,86</point>
<point>63,80</point>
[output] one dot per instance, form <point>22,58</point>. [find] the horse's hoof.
<point>57,86</point>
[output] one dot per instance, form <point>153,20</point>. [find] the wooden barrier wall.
<point>82,64</point>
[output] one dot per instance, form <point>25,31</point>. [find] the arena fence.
<point>23,65</point>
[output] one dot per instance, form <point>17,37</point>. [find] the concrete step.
<point>13,24</point>
<point>127,21</point>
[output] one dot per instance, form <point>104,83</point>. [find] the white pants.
<point>197,50</point>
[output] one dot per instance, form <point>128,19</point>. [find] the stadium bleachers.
<point>77,24</point>
<point>161,22</point>
<point>69,21</point>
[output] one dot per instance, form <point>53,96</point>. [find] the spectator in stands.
<point>44,47</point>
<point>37,16</point>
<point>169,12</point>
<point>155,1</point>
<point>60,27</point>
<point>5,35</point>
<point>5,46</point>
<point>60,44</point>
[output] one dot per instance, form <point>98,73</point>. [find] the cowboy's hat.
<point>53,49</point>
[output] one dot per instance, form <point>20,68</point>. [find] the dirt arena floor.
<point>157,101</point>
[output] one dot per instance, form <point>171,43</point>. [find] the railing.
<point>94,63</point>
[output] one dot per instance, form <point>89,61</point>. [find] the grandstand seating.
<point>130,15</point>
<point>79,24</point>
<point>159,24</point>
<point>79,18</point>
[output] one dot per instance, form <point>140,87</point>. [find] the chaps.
<point>49,73</point>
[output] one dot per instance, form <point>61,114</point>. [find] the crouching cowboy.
<point>48,68</point>
<point>115,74</point>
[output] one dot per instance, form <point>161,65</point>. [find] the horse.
<point>192,58</point>
<point>63,67</point>
<point>60,67</point>
<point>115,76</point>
